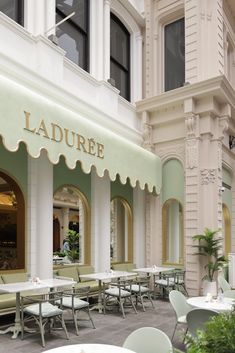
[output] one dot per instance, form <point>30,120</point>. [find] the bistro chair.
<point>119,293</point>
<point>76,300</point>
<point>43,310</point>
<point>165,282</point>
<point>148,340</point>
<point>196,319</point>
<point>181,308</point>
<point>224,285</point>
<point>180,281</point>
<point>141,289</point>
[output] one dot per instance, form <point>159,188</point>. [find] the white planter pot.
<point>210,287</point>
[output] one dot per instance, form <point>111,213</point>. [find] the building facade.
<point>189,115</point>
<point>71,140</point>
<point>117,121</point>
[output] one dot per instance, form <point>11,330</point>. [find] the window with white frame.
<point>120,56</point>
<point>73,34</point>
<point>174,54</point>
<point>13,9</point>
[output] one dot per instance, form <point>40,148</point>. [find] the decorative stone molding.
<point>192,153</point>
<point>192,122</point>
<point>208,176</point>
<point>147,136</point>
<point>173,151</point>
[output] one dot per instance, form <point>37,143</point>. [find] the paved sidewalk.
<point>110,329</point>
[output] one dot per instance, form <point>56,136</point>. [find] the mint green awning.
<point>42,123</point>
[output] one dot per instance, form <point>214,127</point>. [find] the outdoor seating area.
<point>54,310</point>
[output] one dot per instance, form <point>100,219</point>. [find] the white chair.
<point>74,300</point>
<point>180,306</point>
<point>141,290</point>
<point>223,284</point>
<point>148,340</point>
<point>117,293</point>
<point>44,311</point>
<point>196,319</point>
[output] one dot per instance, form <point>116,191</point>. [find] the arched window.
<point>12,224</point>
<point>71,211</point>
<point>226,227</point>
<point>172,232</point>
<point>121,242</point>
<point>120,56</point>
<point>73,34</point>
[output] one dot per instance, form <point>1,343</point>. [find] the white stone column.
<point>100,221</point>
<point>106,60</point>
<point>136,88</point>
<point>45,217</point>
<point>139,227</point>
<point>39,16</point>
<point>96,39</point>
<point>40,216</point>
<point>65,213</point>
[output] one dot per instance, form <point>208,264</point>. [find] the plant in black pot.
<point>210,246</point>
<point>218,336</point>
<point>72,239</point>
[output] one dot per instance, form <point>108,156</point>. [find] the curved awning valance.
<point>42,123</point>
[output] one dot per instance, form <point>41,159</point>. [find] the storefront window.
<point>172,232</point>
<point>73,33</point>
<point>121,243</point>
<point>12,215</point>
<point>71,212</point>
<point>13,9</point>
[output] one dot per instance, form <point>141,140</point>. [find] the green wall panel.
<point>76,177</point>
<point>227,194</point>
<point>173,181</point>
<point>16,166</point>
<point>125,191</point>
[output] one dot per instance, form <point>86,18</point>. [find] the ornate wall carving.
<point>192,153</point>
<point>208,176</point>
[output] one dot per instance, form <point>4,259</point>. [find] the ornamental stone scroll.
<point>208,176</point>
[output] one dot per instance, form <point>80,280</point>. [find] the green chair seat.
<point>7,301</point>
<point>76,303</point>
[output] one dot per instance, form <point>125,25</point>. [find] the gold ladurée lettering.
<point>67,138</point>
<point>81,143</point>
<point>42,127</point>
<point>27,117</point>
<point>56,133</point>
<point>58,137</point>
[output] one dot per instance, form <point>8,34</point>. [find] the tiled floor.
<point>110,329</point>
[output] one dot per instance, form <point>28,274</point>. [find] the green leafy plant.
<point>218,336</point>
<point>210,246</point>
<point>72,238</point>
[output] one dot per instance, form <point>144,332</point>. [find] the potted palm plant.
<point>210,247</point>
<point>72,238</point>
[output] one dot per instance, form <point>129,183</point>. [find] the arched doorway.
<point>121,232</point>
<point>12,224</point>
<point>172,232</point>
<point>71,209</point>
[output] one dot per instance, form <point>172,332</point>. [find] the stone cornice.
<point>218,87</point>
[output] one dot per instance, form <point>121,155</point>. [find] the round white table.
<point>89,348</point>
<point>221,306</point>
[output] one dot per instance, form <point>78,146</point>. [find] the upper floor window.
<point>73,34</point>
<point>13,9</point>
<point>120,56</point>
<point>174,55</point>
